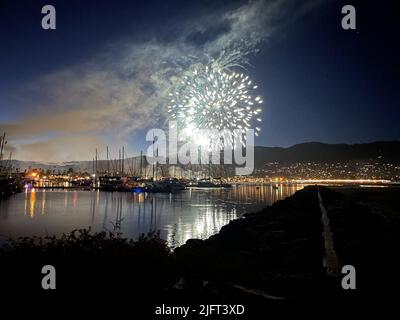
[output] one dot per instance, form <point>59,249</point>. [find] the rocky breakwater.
<point>275,254</point>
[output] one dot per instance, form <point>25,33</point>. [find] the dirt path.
<point>330,261</point>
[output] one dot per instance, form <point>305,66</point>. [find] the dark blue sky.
<point>319,82</point>
<point>326,84</point>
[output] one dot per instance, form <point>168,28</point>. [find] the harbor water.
<point>192,213</point>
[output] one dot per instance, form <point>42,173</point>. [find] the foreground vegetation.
<point>91,263</point>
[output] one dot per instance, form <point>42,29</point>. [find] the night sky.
<point>102,76</point>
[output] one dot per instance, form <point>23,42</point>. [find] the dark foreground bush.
<point>88,262</point>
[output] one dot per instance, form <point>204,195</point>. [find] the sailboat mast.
<point>3,139</point>
<point>153,156</point>
<point>123,158</point>
<point>108,164</point>
<point>96,163</point>
<point>119,162</point>
<point>141,169</point>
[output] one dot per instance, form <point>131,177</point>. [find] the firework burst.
<point>214,98</point>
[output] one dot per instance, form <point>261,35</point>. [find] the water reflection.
<point>178,217</point>
<point>32,199</point>
<point>43,201</point>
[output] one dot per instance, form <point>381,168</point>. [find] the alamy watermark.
<point>202,146</point>
<point>49,20</point>
<point>349,18</point>
<point>49,280</point>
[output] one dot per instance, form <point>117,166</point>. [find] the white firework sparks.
<point>214,98</point>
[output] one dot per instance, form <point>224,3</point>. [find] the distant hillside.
<point>130,164</point>
<point>304,152</point>
<point>323,152</point>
